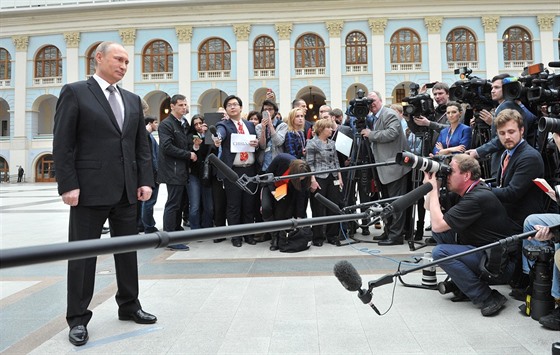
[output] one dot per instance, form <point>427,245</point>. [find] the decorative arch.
<point>90,59</point>
<point>43,110</point>
<point>4,118</point>
<point>48,62</point>
<point>5,67</point>
<point>4,170</point>
<point>314,97</point>
<point>45,170</point>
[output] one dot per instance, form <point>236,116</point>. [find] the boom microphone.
<point>348,275</point>
<point>407,200</point>
<point>328,203</point>
<point>229,174</point>
<point>554,64</point>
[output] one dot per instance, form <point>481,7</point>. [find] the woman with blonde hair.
<point>294,143</point>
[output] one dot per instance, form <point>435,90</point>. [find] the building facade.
<point>320,51</point>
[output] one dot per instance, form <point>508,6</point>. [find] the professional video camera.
<point>472,90</point>
<point>418,104</point>
<point>539,301</point>
<point>359,108</point>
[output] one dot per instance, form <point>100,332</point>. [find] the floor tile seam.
<point>43,283</point>
<point>36,203</point>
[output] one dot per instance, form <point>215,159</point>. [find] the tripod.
<point>361,154</point>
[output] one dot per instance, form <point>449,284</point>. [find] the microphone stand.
<point>366,295</point>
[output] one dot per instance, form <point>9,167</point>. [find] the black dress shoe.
<point>78,335</point>
<point>219,240</point>
<point>250,240</point>
<point>365,231</point>
<point>383,236</point>
<point>236,242</point>
<point>139,317</point>
<point>391,242</point>
<point>318,243</point>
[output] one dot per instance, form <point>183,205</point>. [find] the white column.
<point>242,32</point>
<point>128,37</point>
<point>378,53</point>
<point>335,66</point>
<point>72,57</point>
<point>184,34</point>
<point>284,74</point>
<point>547,38</point>
<point>18,142</point>
<point>434,47</point>
<point>490,24</point>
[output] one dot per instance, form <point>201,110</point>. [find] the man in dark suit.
<point>387,139</point>
<point>240,204</point>
<point>103,168</point>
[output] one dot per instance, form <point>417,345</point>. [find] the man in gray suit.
<point>103,167</point>
<point>387,139</point>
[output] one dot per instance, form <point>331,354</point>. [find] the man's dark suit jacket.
<point>90,151</point>
<point>519,194</point>
<point>225,128</point>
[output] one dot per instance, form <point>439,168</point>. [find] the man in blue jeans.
<point>476,219</point>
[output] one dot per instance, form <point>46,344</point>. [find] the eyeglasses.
<point>233,104</point>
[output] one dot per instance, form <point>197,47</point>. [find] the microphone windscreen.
<point>348,275</point>
<point>213,130</point>
<point>405,201</point>
<point>229,174</point>
<point>554,64</point>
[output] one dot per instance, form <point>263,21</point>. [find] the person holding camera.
<point>477,218</point>
<point>437,122</point>
<point>201,208</point>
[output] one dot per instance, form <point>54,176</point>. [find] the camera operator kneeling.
<point>476,218</point>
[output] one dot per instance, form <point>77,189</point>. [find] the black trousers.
<point>394,224</point>
<point>333,193</point>
<point>240,204</point>
<point>86,223</point>
<point>173,210</point>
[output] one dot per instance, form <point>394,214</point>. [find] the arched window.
<point>356,52</point>
<point>310,55</point>
<point>214,59</point>
<point>518,45</point>
<point>48,63</point>
<point>461,47</point>
<point>4,170</point>
<point>157,60</point>
<point>5,67</point>
<point>406,50</point>
<point>90,59</point>
<point>264,56</point>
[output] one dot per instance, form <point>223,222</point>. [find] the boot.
<point>274,241</point>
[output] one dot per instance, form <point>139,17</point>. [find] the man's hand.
<point>422,121</point>
<point>143,193</point>
<point>253,143</point>
<point>472,153</point>
<point>432,179</point>
<point>71,198</point>
<point>486,116</point>
<point>193,156</point>
<point>543,233</point>
<point>365,132</point>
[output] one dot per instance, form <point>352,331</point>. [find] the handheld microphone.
<point>229,174</point>
<point>407,200</point>
<point>214,131</point>
<point>348,276</point>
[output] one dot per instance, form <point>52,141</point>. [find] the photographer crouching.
<point>476,218</point>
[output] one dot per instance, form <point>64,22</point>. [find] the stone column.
<point>242,32</point>
<point>335,65</point>
<point>490,24</point>
<point>18,142</point>
<point>284,97</point>
<point>128,37</point>
<point>547,38</point>
<point>377,27</point>
<point>184,65</point>
<point>72,40</point>
<point>433,24</point>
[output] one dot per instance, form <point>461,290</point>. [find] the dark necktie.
<point>115,105</point>
<point>243,156</point>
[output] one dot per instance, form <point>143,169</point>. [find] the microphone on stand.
<point>351,280</point>
<point>228,173</point>
<point>405,201</point>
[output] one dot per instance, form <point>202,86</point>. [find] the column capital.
<point>334,27</point>
<point>284,30</point>
<point>545,22</point>
<point>433,24</point>
<point>72,39</point>
<point>184,33</point>
<point>377,25</point>
<point>21,42</point>
<point>490,23</point>
<point>128,35</point>
<point>242,31</point>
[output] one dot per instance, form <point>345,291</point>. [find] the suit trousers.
<point>86,223</point>
<point>240,204</point>
<point>394,227</point>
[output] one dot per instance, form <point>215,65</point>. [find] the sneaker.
<point>552,320</point>
<point>493,303</point>
<point>178,247</point>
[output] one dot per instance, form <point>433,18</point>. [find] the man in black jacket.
<point>173,164</point>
